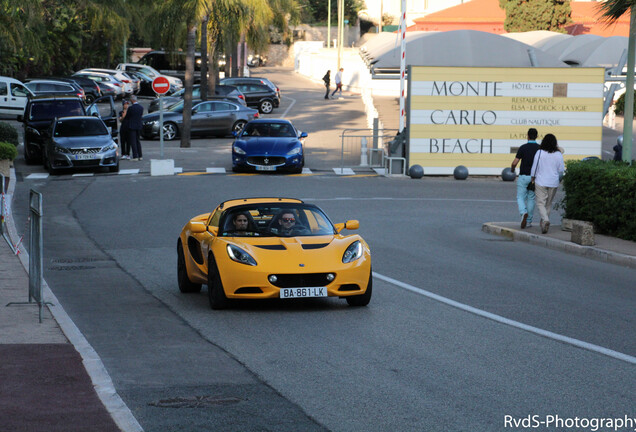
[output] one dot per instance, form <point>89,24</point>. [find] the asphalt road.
<point>406,362</point>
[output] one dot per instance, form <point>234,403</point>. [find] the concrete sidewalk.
<point>609,249</point>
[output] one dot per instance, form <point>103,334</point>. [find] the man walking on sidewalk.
<point>338,80</point>
<point>525,197</point>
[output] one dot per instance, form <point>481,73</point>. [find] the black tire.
<point>216,294</point>
<point>363,299</point>
<point>89,99</point>
<point>114,169</point>
<point>266,106</point>
<point>29,158</point>
<point>170,131</point>
<point>185,286</point>
<point>238,126</point>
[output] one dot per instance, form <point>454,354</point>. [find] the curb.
<point>560,245</point>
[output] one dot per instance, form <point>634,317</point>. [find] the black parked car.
<point>145,83</point>
<point>229,93</point>
<point>90,87</point>
<point>40,111</point>
<point>258,95</point>
<point>252,80</point>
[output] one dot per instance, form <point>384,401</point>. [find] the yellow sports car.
<point>259,248</point>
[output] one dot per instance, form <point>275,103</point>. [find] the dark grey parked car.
<point>79,142</point>
<point>229,93</point>
<point>213,117</point>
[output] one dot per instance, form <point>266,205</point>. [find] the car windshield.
<point>48,110</point>
<point>283,130</point>
<point>80,127</point>
<point>196,92</point>
<point>275,220</point>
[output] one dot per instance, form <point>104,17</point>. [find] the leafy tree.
<point>315,11</point>
<point>528,15</point>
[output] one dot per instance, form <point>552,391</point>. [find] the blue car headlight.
<point>353,252</point>
<point>238,150</point>
<point>239,255</point>
<point>294,151</point>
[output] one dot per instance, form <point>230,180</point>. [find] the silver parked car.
<point>80,142</point>
<point>219,118</point>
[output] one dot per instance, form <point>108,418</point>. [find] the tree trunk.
<point>204,58</point>
<point>235,61</point>
<point>213,66</point>
<point>189,81</point>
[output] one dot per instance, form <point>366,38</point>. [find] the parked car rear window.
<point>80,127</point>
<point>48,110</point>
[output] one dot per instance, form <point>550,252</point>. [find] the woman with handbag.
<point>546,174</point>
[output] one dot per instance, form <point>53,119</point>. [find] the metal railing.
<point>35,250</point>
<point>365,147</point>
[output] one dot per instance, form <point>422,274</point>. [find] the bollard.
<point>363,152</point>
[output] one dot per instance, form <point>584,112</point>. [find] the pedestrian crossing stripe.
<point>37,176</point>
<point>128,171</point>
<point>343,171</point>
<point>215,170</point>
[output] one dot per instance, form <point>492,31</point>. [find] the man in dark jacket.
<point>134,114</point>
<point>525,197</point>
<point>327,80</point>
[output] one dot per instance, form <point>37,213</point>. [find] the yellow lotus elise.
<point>261,248</point>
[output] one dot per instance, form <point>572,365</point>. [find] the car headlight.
<point>294,151</point>
<point>151,123</point>
<point>58,149</point>
<point>109,147</point>
<point>353,252</point>
<point>240,256</point>
<point>238,150</point>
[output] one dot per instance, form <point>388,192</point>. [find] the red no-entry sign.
<point>161,85</point>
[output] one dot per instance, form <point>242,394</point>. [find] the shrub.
<point>8,151</point>
<point>602,192</point>
<point>8,133</point>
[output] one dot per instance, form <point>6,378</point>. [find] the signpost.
<point>161,85</point>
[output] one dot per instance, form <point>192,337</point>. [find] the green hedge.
<point>8,133</point>
<point>8,151</point>
<point>602,192</point>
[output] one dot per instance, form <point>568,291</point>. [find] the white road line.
<point>550,335</point>
<point>83,174</point>
<point>37,176</point>
<point>343,171</point>
<point>178,170</point>
<point>215,170</point>
<point>128,171</point>
<point>306,171</point>
<point>408,199</point>
<point>289,107</point>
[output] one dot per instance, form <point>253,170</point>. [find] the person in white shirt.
<point>338,82</point>
<point>546,174</point>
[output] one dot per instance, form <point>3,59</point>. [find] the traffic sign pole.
<point>161,85</point>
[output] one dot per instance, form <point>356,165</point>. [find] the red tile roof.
<point>486,15</point>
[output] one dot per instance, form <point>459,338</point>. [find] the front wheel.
<point>216,293</point>
<point>266,106</point>
<point>238,126</point>
<point>89,99</point>
<point>185,286</point>
<point>114,169</point>
<point>363,299</point>
<point>170,131</point>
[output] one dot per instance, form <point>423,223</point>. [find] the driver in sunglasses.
<point>288,226</point>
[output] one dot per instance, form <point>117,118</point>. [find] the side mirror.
<point>197,227</point>
<point>303,135</point>
<point>350,225</point>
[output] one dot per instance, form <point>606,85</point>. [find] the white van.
<point>13,97</point>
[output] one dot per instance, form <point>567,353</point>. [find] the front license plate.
<point>85,157</point>
<point>303,292</point>
<point>265,168</point>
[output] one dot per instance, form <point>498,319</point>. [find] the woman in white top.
<point>546,171</point>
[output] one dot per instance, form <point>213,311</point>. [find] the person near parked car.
<point>134,114</point>
<point>327,80</point>
<point>338,79</point>
<point>546,174</point>
<point>123,131</point>
<point>525,197</point>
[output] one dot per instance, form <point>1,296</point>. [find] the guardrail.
<point>35,250</point>
<point>365,147</point>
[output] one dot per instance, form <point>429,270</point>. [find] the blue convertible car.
<point>268,145</point>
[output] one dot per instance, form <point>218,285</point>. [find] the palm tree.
<point>612,10</point>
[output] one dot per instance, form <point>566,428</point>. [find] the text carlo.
<point>464,117</point>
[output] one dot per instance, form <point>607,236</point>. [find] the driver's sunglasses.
<point>289,220</point>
